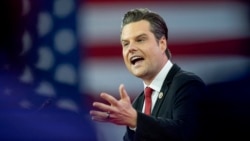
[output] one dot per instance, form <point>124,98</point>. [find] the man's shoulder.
<point>184,76</point>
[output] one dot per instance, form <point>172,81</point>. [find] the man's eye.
<point>140,40</point>
<point>124,44</point>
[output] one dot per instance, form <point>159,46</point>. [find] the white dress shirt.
<point>157,83</point>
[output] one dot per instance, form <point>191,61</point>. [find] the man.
<point>176,93</point>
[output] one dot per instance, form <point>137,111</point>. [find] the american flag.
<point>39,72</point>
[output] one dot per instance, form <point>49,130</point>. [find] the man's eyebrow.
<point>141,35</point>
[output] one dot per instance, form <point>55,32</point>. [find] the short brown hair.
<point>157,23</point>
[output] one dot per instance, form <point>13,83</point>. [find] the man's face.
<point>143,55</point>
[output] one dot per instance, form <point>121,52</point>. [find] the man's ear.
<point>163,44</point>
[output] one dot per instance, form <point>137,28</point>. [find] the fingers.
<point>119,111</point>
<point>112,100</point>
<point>102,106</point>
<point>123,93</point>
<point>103,114</point>
<point>99,116</point>
<point>109,98</point>
<point>110,112</point>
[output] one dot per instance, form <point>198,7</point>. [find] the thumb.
<point>123,92</point>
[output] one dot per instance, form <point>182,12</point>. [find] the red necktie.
<point>148,101</point>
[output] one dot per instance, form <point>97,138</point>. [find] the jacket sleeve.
<point>129,135</point>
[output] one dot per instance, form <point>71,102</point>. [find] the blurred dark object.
<point>226,110</point>
<point>10,32</point>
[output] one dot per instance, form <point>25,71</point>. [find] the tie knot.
<point>148,92</point>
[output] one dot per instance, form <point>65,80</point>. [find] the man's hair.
<point>157,23</point>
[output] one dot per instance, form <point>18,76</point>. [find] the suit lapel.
<point>138,105</point>
<point>164,88</point>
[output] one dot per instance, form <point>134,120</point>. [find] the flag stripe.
<point>187,23</point>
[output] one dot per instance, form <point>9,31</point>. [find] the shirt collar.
<point>156,84</point>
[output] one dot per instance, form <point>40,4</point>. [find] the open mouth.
<point>135,59</point>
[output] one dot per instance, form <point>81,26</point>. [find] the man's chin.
<point>137,73</point>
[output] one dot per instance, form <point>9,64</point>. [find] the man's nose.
<point>132,46</point>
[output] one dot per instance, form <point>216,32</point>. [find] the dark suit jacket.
<point>175,116</point>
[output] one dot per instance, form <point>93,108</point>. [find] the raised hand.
<point>120,112</point>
